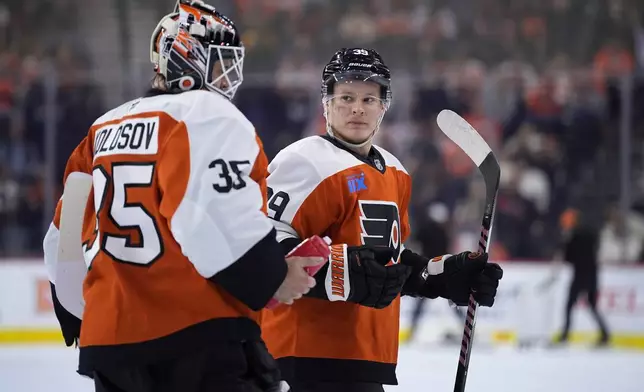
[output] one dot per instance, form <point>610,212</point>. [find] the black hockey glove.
<point>70,325</point>
<point>454,277</point>
<point>359,274</point>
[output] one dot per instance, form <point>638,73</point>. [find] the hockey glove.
<point>454,277</point>
<point>359,274</point>
<point>70,325</point>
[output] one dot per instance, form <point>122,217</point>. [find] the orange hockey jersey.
<point>175,232</point>
<point>317,186</point>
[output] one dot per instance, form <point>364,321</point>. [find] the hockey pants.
<point>238,367</point>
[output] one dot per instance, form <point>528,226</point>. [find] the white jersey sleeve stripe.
<point>292,173</point>
<point>220,216</point>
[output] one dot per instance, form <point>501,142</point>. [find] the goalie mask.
<point>195,48</point>
<point>356,65</point>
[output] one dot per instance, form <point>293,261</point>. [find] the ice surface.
<point>428,368</point>
<point>433,369</point>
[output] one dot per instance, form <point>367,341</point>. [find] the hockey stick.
<point>466,137</point>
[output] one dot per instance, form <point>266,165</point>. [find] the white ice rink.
<point>421,369</point>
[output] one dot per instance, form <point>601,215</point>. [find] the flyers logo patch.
<point>380,225</point>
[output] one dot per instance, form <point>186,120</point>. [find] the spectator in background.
<point>467,230</point>
<point>77,103</point>
<point>580,250</point>
<point>621,238</point>
<point>583,127</point>
<point>423,160</point>
<point>30,212</point>
<point>358,26</point>
<point>546,100</point>
<point>7,91</point>
<point>9,199</point>
<point>517,216</point>
<point>610,63</point>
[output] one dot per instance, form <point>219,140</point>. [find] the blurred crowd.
<point>550,84</point>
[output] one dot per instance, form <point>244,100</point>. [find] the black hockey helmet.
<point>357,64</point>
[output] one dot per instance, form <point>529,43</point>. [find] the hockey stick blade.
<point>471,142</point>
<point>464,135</point>
<point>70,266</point>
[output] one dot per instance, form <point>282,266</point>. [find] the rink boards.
<point>530,306</point>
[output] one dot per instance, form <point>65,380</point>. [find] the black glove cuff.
<point>420,283</point>
<point>417,284</point>
<point>70,325</point>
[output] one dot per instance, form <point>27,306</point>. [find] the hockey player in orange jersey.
<point>180,254</point>
<point>343,336</point>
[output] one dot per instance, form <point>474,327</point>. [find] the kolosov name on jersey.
<point>138,136</point>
